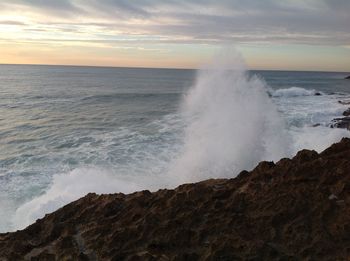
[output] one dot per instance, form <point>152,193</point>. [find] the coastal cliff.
<point>294,209</point>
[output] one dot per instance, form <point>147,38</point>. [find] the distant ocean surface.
<point>66,131</point>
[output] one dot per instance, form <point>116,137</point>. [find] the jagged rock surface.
<point>296,209</point>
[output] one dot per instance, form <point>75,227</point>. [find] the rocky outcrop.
<point>296,209</point>
<point>343,123</point>
<point>347,112</point>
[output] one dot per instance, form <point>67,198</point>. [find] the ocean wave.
<point>228,123</point>
<point>126,96</point>
<point>316,138</point>
<point>68,187</point>
<point>293,92</point>
<point>224,132</point>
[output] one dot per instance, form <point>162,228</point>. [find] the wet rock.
<point>347,112</point>
<point>305,155</point>
<point>342,123</point>
<point>296,209</point>
<point>344,102</point>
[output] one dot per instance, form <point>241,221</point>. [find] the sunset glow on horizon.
<point>286,35</point>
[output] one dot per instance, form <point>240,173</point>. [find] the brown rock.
<point>296,209</point>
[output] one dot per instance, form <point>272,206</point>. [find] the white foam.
<point>292,92</point>
<point>7,210</point>
<point>68,187</point>
<point>233,124</point>
<point>309,110</point>
<point>316,138</point>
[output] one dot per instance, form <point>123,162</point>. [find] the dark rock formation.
<point>347,77</point>
<point>296,209</point>
<point>343,123</point>
<point>347,112</point>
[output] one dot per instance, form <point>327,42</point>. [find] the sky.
<point>270,34</point>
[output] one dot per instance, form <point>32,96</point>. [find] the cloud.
<point>121,7</point>
<point>11,23</point>
<point>321,22</point>
<point>61,7</point>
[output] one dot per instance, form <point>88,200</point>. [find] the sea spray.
<point>69,187</point>
<point>226,123</point>
<point>232,123</point>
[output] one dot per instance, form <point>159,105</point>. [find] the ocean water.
<point>66,131</point>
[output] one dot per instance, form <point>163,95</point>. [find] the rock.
<point>347,112</point>
<point>296,209</point>
<point>342,123</point>
<point>318,94</point>
<point>346,102</point>
<point>347,77</point>
<point>305,156</point>
<point>332,196</point>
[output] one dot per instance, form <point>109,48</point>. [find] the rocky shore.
<point>342,122</point>
<point>295,209</point>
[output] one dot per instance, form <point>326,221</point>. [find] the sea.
<point>66,131</point>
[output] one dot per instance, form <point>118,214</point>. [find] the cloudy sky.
<point>271,34</point>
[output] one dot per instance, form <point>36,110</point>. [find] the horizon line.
<point>165,68</point>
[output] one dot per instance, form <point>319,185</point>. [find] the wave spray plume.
<point>232,122</point>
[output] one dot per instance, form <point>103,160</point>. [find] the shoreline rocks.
<point>295,209</point>
<point>347,112</point>
<point>342,123</point>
